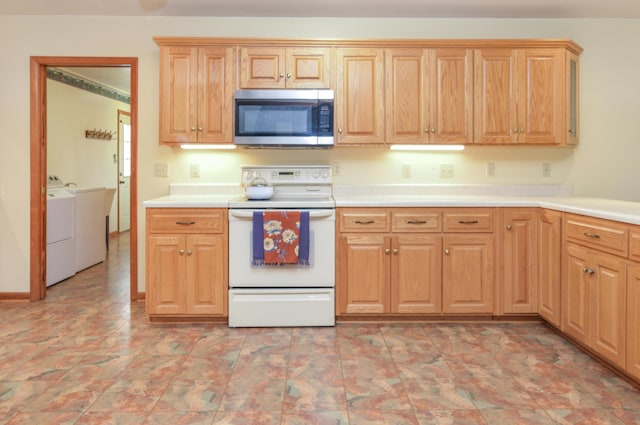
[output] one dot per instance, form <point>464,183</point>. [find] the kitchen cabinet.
<point>196,94</point>
<point>549,265</point>
<point>521,98</point>
<point>429,95</point>
<point>594,285</point>
<point>633,320</point>
<point>359,97</point>
<point>186,262</point>
<point>280,67</point>
<point>518,277</point>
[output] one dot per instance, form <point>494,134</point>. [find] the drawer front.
<point>180,220</point>
<point>365,220</point>
<point>634,245</point>
<point>474,220</point>
<point>415,221</point>
<point>599,234</point>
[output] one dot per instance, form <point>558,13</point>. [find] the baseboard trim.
<point>15,296</point>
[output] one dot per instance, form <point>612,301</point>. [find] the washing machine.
<point>61,242</point>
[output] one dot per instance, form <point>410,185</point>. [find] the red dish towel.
<point>281,237</point>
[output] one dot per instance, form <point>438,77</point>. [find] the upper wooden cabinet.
<point>429,96</point>
<point>279,67</point>
<point>521,97</point>
<point>196,94</point>
<point>359,96</point>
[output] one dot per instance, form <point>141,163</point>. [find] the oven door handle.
<point>312,214</point>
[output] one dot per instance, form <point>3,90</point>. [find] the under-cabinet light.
<point>427,147</point>
<point>203,146</point>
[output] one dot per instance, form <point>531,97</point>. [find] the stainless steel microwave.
<point>284,118</point>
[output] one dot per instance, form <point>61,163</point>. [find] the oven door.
<point>319,274</point>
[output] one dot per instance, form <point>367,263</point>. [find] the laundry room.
<point>88,164</point>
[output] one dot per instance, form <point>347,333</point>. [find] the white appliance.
<point>61,244</point>
<point>291,295</point>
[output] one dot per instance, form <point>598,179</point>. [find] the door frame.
<point>38,164</point>
<point>120,114</point>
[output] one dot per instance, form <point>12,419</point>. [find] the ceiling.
<point>331,8</point>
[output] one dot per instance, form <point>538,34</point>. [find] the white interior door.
<point>124,172</point>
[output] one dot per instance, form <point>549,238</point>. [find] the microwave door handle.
<point>249,214</point>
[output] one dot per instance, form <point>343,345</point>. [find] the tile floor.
<point>85,355</point>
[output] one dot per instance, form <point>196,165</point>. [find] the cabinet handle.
<point>447,252</point>
<point>395,251</point>
<point>588,270</point>
<point>364,222</point>
<point>185,223</point>
<point>468,222</point>
<point>416,221</point>
<point>181,252</point>
<point>387,251</point>
<point>508,226</point>
<point>592,235</point>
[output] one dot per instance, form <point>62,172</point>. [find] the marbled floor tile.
<point>423,366</point>
<point>544,339</point>
<point>12,356</point>
<point>517,417</point>
<point>264,345</point>
<point>610,391</point>
<point>473,365</point>
<point>585,416</point>
<point>557,392</point>
<point>263,367</point>
<point>261,394</point>
<point>184,395</point>
<point>363,345</point>
<point>496,392</point>
<point>180,418</point>
<point>95,368</point>
<point>130,396</point>
<point>315,418</point>
<point>544,364</point>
<point>247,418</point>
<point>363,417</point>
<point>169,345</point>
<point>314,366</point>
<point>14,396</point>
<point>216,345</point>
<point>210,367</point>
<point>454,417</point>
<point>437,394</point>
<point>314,394</point>
<point>628,416</point>
<point>153,368</point>
<point>68,396</point>
<point>376,394</point>
<point>372,366</point>
<point>44,368</point>
<point>57,418</point>
<point>112,418</point>
<point>122,343</point>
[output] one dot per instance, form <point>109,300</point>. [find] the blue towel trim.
<point>258,239</point>
<point>303,245</point>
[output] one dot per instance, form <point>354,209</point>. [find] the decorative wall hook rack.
<point>100,134</point>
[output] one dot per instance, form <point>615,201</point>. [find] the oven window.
<point>274,120</point>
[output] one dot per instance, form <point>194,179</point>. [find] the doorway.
<point>38,163</point>
<point>124,171</point>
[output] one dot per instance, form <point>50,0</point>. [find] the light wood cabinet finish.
<point>468,220</point>
<point>418,220</point>
<point>364,220</point>
<point>186,262</point>
<point>196,94</point>
<point>634,243</point>
<point>604,235</point>
<point>359,104</point>
<point>429,96</point>
<point>280,67</point>
<point>633,321</point>
<point>518,279</point>
<point>549,265</point>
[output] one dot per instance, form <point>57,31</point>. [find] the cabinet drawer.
<point>596,233</point>
<point>634,244</point>
<point>180,220</point>
<point>415,221</point>
<point>369,220</point>
<point>475,220</point>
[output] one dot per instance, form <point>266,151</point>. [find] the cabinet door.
<point>406,96</point>
<point>608,305</point>
<point>540,96</point>
<point>495,101</point>
<point>575,294</point>
<point>360,96</point>
<point>166,266</point>
<point>450,79</point>
<point>572,106</point>
<point>633,321</point>
<point>206,275</point>
<point>308,68</point>
<point>519,273</point>
<point>178,94</point>
<point>416,281</point>
<point>549,259</point>
<point>262,67</point>
<point>215,99</point>
<point>468,274</point>
<point>363,285</point>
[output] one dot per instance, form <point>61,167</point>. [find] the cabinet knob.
<point>189,252</point>
<point>588,270</point>
<point>508,226</point>
<point>340,130</point>
<point>515,131</point>
<point>387,251</point>
<point>282,75</point>
<point>193,129</point>
<point>181,252</point>
<point>288,75</point>
<point>200,129</point>
<point>447,252</point>
<point>522,130</point>
<point>395,251</point>
<point>433,130</point>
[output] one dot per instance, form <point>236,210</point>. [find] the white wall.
<point>603,165</point>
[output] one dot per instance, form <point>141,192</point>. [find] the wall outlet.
<point>337,168</point>
<point>195,170</point>
<point>161,170</point>
<point>546,169</point>
<point>446,171</point>
<point>406,171</point>
<point>491,169</point>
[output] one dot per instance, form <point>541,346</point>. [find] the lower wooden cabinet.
<point>633,320</point>
<point>549,265</point>
<point>186,259</point>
